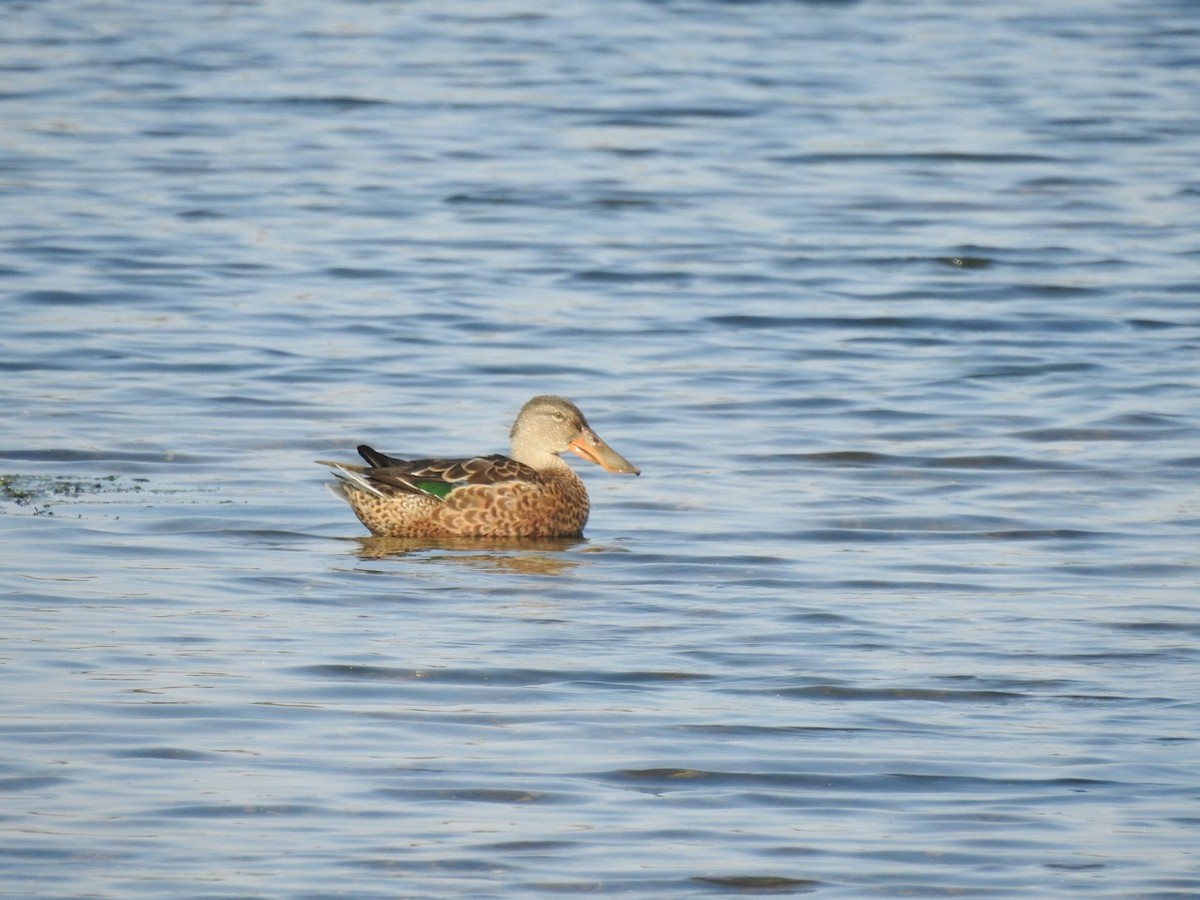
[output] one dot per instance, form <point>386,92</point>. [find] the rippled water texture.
<point>895,304</point>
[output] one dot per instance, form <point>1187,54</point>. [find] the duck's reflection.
<point>539,556</point>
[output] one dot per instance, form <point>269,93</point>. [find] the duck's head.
<point>547,426</point>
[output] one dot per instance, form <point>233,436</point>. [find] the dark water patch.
<point>1032,370</point>
<point>1062,184</point>
<point>636,679</point>
<point>57,298</point>
<point>998,462</point>
<point>662,116</point>
<point>509,197</point>
<point>964,262</point>
<point>531,847</point>
<point>758,884</point>
<point>986,159</point>
<point>668,779</point>
<point>617,201</point>
<point>846,536</point>
<point>1153,429</point>
<point>168,753</point>
<point>957,524</point>
<point>201,214</point>
<point>1132,570</point>
<point>253,405</point>
<point>1150,420</point>
<point>470,795</point>
<point>1155,324</point>
<point>51,253</point>
<point>529,370</point>
<point>908,586</point>
<point>45,854</point>
<point>1009,684</point>
<point>175,64</point>
<point>964,527</point>
<point>80,359</point>
<point>31,783</point>
<point>143,264</point>
<point>333,103</point>
<point>734,560</point>
<point>205,367</point>
<point>841,458</point>
<point>1181,627</point>
<point>880,414</point>
<point>361,274</point>
<point>1075,866</point>
<point>770,730</point>
<point>838,693</point>
<point>1023,327</point>
<point>843,323</point>
<point>970,258</point>
<point>504,677</point>
<point>614,276</point>
<point>1067,291</point>
<point>1055,435</point>
<point>239,811</point>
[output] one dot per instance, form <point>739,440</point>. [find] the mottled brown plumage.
<point>531,493</point>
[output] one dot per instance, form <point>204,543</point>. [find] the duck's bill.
<point>589,446</point>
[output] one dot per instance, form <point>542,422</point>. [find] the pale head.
<point>547,426</point>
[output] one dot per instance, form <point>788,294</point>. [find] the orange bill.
<point>589,446</point>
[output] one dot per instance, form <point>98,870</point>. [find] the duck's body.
<point>531,493</point>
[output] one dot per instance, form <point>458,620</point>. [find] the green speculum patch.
<point>439,489</point>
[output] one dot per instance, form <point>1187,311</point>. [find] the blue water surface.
<point>895,304</point>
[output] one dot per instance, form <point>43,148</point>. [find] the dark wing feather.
<point>380,460</point>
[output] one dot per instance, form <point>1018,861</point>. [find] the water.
<point>894,304</point>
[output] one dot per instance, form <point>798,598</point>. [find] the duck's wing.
<point>435,477</point>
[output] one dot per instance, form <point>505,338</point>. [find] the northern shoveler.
<point>530,493</point>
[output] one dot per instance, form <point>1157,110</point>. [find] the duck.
<point>531,493</point>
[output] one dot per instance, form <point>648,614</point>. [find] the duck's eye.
<point>559,417</point>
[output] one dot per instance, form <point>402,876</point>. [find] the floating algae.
<point>38,491</point>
